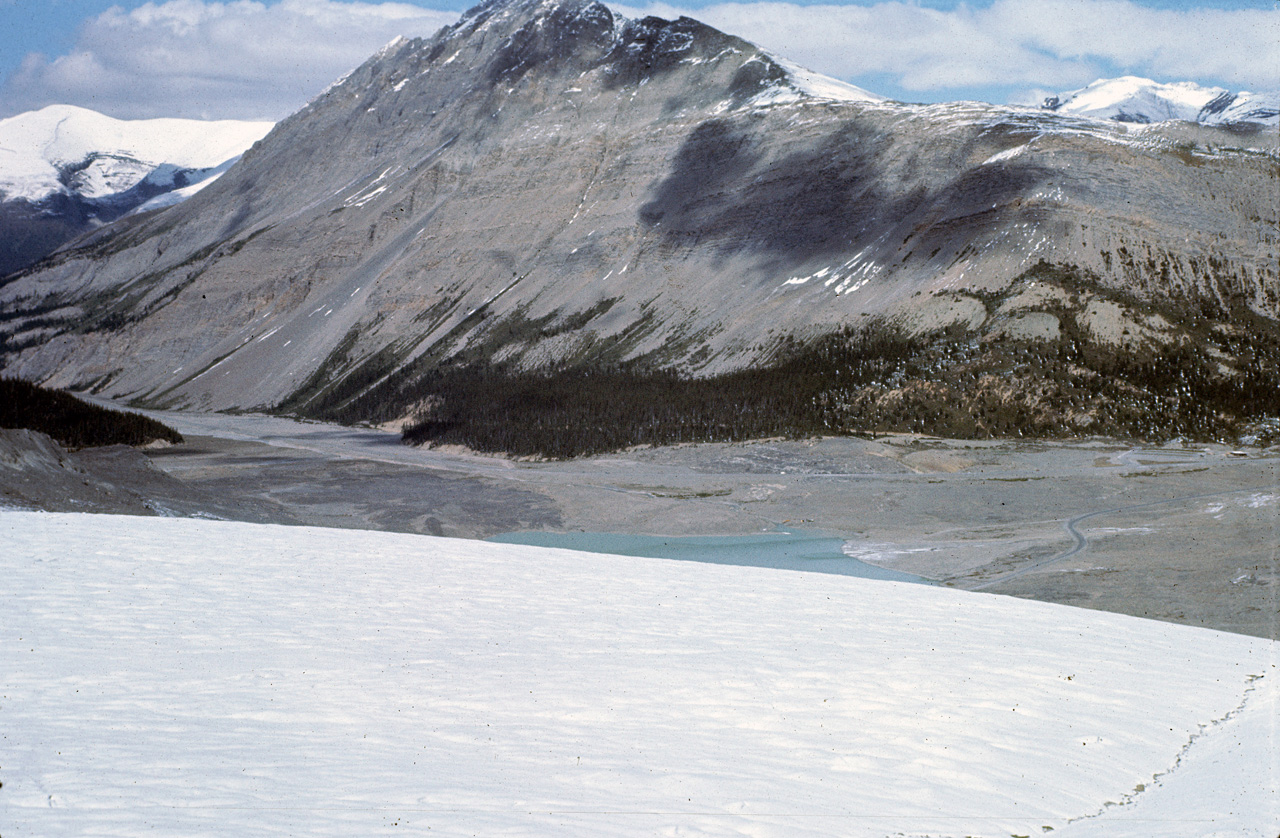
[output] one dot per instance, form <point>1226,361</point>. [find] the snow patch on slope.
<point>1262,108</point>
<point>177,196</point>
<point>187,677</point>
<point>817,86</point>
<point>799,85</point>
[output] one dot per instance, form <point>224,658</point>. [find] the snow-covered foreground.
<point>183,677</point>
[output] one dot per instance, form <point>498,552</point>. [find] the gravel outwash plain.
<point>1185,534</point>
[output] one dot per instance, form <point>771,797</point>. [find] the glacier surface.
<point>185,677</point>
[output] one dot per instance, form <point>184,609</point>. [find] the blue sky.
<point>264,58</point>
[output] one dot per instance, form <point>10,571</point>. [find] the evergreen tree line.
<point>871,381</point>
<point>74,423</point>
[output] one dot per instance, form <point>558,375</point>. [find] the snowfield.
<point>37,149</point>
<point>188,678</point>
<point>1134,99</point>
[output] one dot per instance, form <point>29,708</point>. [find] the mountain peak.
<point>522,8</point>
<point>1141,100</point>
<point>587,34</point>
<point>566,46</point>
<point>67,169</point>
<point>519,13</point>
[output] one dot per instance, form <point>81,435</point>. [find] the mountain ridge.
<point>1139,100</point>
<point>66,169</point>
<point>551,186</point>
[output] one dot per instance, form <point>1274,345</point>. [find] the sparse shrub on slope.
<point>577,411</point>
<point>954,383</point>
<point>72,422</point>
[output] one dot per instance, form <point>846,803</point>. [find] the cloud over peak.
<point>1007,44</point>
<point>193,58</point>
<point>250,59</point>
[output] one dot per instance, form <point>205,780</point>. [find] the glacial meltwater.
<point>785,549</point>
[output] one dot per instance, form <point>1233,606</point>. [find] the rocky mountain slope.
<point>547,186</point>
<point>64,170</point>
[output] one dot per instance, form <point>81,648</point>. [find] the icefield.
<point>180,677</point>
<point>40,149</point>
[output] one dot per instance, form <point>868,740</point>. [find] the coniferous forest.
<point>873,381</point>
<point>74,423</point>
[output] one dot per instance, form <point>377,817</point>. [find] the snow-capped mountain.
<point>1134,99</point>
<point>1242,108</point>
<point>69,150</point>
<point>65,169</point>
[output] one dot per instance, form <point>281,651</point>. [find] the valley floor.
<point>181,677</point>
<point>1185,534</point>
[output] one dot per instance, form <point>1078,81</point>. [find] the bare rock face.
<point>547,183</point>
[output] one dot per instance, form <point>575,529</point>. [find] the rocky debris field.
<point>1183,533</point>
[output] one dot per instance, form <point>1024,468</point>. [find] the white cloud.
<point>1010,44</point>
<point>237,59</point>
<point>251,59</point>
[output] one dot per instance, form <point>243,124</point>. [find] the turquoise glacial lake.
<point>785,549</point>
